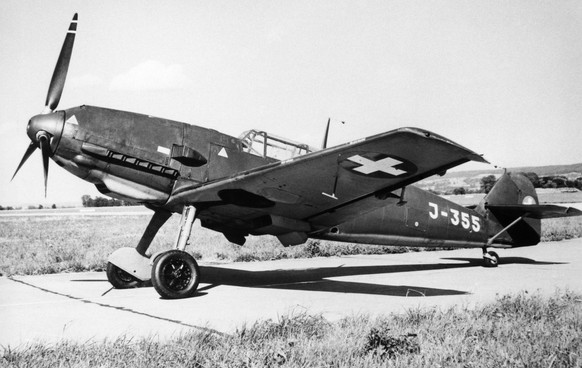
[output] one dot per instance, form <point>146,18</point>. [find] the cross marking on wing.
<point>385,165</point>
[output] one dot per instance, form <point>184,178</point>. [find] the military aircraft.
<point>259,184</point>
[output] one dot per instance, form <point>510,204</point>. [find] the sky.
<point>503,78</point>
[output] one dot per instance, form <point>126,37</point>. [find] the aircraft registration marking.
<point>464,219</point>
<point>385,165</point>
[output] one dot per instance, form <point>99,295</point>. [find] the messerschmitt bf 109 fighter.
<point>259,184</point>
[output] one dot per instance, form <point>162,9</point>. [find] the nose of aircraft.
<point>47,127</point>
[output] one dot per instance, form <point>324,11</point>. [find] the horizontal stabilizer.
<point>541,211</point>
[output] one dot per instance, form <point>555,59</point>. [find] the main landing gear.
<point>174,274</point>
<point>490,259</point>
<point>121,279</point>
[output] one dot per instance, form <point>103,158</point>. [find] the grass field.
<point>41,245</point>
<point>561,228</point>
<point>514,331</point>
<point>52,244</point>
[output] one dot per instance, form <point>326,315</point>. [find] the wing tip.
<point>472,156</point>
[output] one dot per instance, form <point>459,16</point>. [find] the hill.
<point>471,180</point>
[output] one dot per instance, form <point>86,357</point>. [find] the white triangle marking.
<point>223,153</point>
<point>73,120</point>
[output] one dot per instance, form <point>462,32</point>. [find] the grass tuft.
<point>514,331</point>
<point>381,343</point>
<point>289,327</point>
<point>561,228</point>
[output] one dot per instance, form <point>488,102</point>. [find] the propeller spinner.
<point>45,130</point>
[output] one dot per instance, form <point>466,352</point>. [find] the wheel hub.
<point>177,275</point>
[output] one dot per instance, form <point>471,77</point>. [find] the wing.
<point>326,187</point>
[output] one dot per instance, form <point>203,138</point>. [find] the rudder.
<point>511,190</point>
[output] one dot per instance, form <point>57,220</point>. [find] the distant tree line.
<point>486,184</point>
<point>548,181</point>
<point>39,207</point>
<point>89,201</point>
<point>553,181</point>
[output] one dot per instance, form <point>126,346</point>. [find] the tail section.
<point>514,214</point>
<point>517,191</point>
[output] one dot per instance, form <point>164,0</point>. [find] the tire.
<point>120,279</point>
<point>493,261</point>
<point>175,275</point>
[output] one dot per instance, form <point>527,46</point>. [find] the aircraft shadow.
<point>507,260</point>
<point>316,279</point>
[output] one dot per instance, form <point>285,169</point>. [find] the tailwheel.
<point>119,278</point>
<point>175,275</point>
<point>491,259</point>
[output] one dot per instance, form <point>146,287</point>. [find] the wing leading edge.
<point>326,187</point>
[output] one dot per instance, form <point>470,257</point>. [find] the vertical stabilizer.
<point>511,189</point>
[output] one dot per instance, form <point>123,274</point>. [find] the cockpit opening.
<point>261,144</point>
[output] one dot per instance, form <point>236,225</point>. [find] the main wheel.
<point>175,275</point>
<point>119,278</point>
<point>492,260</point>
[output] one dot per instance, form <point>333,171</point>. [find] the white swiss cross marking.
<point>385,165</point>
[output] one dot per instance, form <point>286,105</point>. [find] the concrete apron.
<point>82,307</point>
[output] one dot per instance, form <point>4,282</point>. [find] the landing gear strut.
<point>490,259</point>
<point>131,267</point>
<point>175,273</point>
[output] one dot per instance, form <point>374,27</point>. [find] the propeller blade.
<point>31,148</point>
<point>60,74</point>
<point>45,148</point>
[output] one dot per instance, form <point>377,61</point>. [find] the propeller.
<point>45,148</point>
<point>45,130</point>
<point>60,74</point>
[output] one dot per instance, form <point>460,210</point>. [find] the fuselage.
<point>145,159</point>
<point>142,158</point>
<point>420,218</point>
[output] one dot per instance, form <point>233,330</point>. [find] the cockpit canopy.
<point>261,144</point>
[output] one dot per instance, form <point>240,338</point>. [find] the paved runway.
<point>78,306</point>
